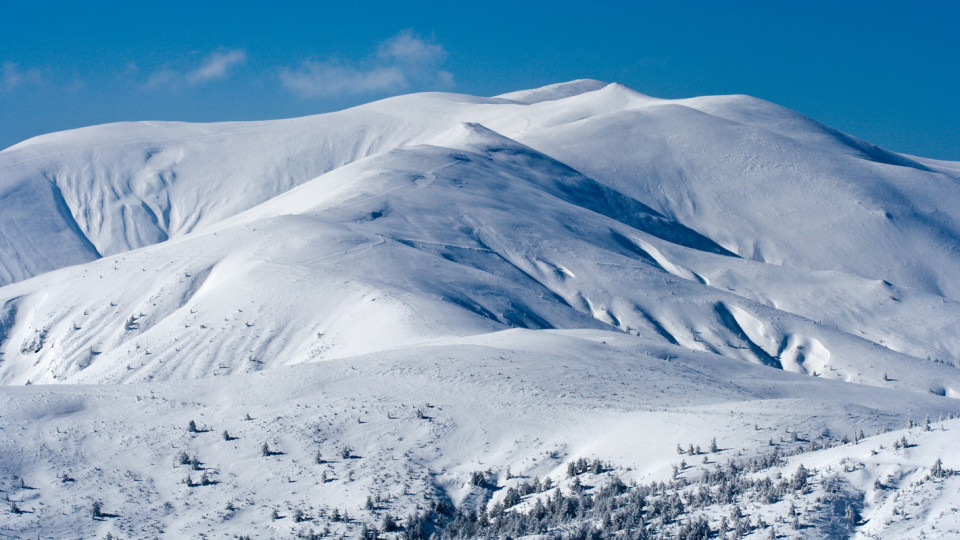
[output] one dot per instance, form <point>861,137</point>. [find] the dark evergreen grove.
<point>702,502</point>
<point>614,509</point>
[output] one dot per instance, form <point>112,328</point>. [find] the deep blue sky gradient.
<point>888,72</point>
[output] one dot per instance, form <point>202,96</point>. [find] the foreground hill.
<point>460,422</point>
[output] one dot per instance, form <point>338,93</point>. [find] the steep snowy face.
<point>38,232</point>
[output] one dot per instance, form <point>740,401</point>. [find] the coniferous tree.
<point>937,471</point>
<point>389,524</point>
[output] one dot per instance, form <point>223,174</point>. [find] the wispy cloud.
<point>407,47</point>
<point>13,76</point>
<point>214,66</point>
<point>401,61</point>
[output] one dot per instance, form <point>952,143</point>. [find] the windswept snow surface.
<point>448,284</point>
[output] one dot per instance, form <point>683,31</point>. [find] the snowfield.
<point>402,319</point>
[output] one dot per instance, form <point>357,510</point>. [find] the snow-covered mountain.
<point>449,284</point>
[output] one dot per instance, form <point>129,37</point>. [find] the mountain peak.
<point>553,92</point>
<point>471,135</point>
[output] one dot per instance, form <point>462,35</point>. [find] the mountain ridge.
<point>440,205</point>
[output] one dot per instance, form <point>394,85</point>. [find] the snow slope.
<point>521,400</point>
<point>448,284</point>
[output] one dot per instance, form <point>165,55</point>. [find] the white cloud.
<point>12,76</point>
<point>164,77</point>
<point>408,47</point>
<point>316,79</point>
<point>216,65</point>
<point>400,62</point>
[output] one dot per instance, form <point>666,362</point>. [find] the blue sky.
<point>888,72</point>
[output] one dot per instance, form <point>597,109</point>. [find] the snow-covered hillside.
<point>419,422</point>
<point>448,285</point>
